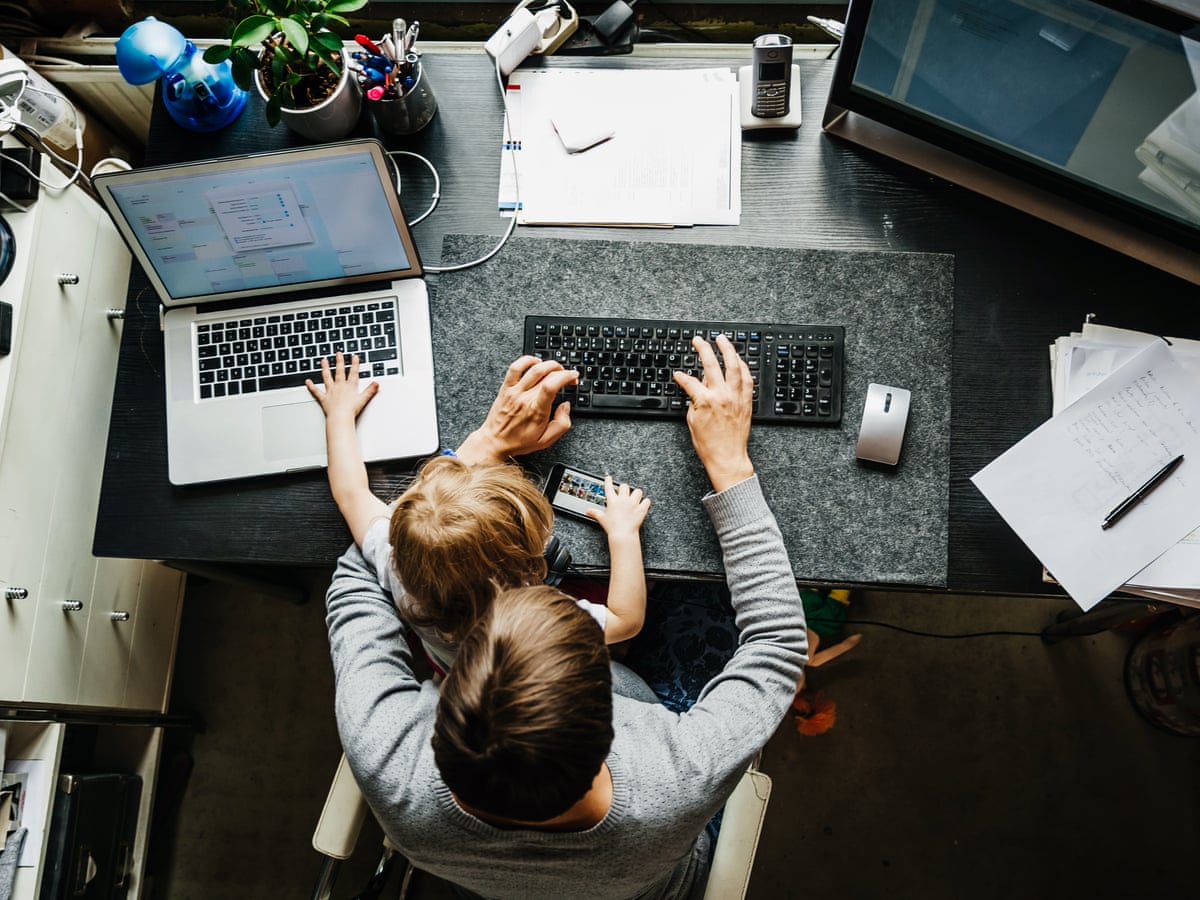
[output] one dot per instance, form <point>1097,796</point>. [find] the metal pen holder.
<point>411,111</point>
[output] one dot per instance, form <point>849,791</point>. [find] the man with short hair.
<point>525,722</point>
<point>540,769</point>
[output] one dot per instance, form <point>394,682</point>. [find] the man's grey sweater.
<point>671,773</point>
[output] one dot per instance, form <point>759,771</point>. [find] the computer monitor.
<point>1083,113</point>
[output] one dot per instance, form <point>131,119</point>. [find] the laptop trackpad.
<point>293,430</point>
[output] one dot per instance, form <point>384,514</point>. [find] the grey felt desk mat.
<point>842,522</point>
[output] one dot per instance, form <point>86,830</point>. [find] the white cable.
<point>43,59</point>
<point>437,183</point>
<point>512,149</point>
<point>13,203</point>
<point>78,164</point>
<point>11,116</point>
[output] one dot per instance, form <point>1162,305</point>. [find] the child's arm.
<point>342,402</point>
<point>622,520</point>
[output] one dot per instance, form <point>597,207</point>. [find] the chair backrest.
<point>733,857</point>
<point>342,816</point>
<point>728,878</point>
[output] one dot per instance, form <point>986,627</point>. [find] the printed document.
<point>672,155</point>
<point>1055,487</point>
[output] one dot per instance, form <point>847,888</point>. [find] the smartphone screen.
<point>574,492</point>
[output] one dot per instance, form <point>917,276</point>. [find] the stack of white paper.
<point>1125,404</point>
<point>1079,362</point>
<point>673,158</point>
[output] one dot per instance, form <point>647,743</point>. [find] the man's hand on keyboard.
<point>520,419</point>
<point>719,416</point>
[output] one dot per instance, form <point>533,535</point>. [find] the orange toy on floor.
<point>826,614</point>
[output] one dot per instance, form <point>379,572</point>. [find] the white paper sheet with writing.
<point>1082,361</point>
<point>1055,486</point>
<point>674,157</point>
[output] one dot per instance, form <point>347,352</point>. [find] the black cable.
<point>658,11</point>
<point>969,634</point>
<point>597,577</point>
<point>655,36</point>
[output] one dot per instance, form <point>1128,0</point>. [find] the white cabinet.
<point>74,630</point>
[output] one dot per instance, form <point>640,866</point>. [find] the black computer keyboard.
<point>626,365</point>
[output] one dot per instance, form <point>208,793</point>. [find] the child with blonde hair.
<point>466,528</point>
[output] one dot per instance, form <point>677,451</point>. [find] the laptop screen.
<point>273,223</point>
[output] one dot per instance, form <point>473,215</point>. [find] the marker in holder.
<point>400,98</point>
<point>410,110</point>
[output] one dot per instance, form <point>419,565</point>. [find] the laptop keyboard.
<point>625,365</point>
<point>246,355</point>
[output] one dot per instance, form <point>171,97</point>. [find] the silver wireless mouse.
<point>885,416</point>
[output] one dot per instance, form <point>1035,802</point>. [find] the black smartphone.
<point>573,492</point>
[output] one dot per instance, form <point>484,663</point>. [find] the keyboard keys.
<point>265,353</point>
<point>626,366</point>
<point>291,379</point>
<point>626,401</point>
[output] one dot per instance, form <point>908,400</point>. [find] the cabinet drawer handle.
<point>68,278</point>
<point>119,615</point>
<point>114,313</point>
<point>71,605</point>
<point>16,593</point>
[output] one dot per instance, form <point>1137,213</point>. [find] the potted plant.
<point>285,49</point>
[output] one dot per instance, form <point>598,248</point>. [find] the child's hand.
<point>341,395</point>
<point>625,512</point>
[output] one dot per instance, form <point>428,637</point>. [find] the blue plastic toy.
<point>200,96</point>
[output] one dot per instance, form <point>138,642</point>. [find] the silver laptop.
<point>265,264</point>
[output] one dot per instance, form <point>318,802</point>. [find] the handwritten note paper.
<point>1082,361</point>
<point>1055,486</point>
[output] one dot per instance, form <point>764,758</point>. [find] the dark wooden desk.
<point>1019,284</point>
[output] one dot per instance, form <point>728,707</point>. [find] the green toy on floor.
<point>826,616</point>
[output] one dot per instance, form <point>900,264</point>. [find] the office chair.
<point>728,878</point>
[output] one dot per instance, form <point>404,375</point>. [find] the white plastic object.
<point>514,40</point>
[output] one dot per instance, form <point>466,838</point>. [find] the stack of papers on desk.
<point>673,158</point>
<point>1125,403</point>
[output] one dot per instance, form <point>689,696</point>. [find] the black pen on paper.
<point>1141,493</point>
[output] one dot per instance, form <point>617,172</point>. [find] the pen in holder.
<point>398,93</point>
<point>410,110</point>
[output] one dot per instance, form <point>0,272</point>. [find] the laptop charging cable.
<point>530,29</point>
<point>511,146</point>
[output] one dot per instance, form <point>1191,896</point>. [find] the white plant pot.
<point>330,120</point>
